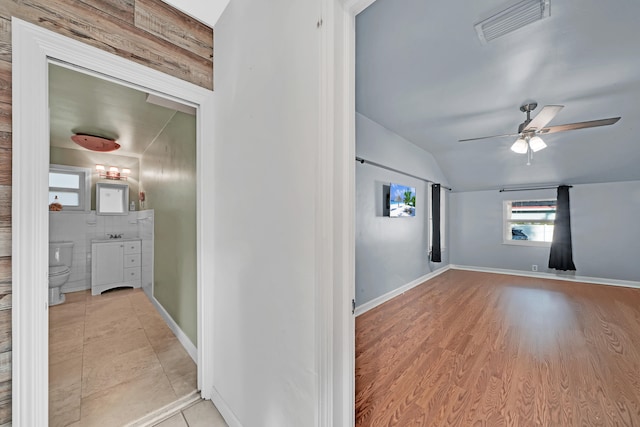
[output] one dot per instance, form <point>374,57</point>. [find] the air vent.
<point>512,18</point>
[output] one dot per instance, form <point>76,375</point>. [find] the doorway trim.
<point>338,97</point>
<point>33,47</point>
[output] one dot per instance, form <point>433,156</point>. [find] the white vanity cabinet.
<point>114,264</point>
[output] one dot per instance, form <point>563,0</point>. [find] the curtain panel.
<point>561,254</point>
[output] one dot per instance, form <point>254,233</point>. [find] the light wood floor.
<point>112,359</point>
<point>479,349</point>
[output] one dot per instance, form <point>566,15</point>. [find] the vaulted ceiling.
<point>422,73</point>
<point>82,103</point>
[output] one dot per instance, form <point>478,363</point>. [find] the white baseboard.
<point>182,337</point>
<point>223,408</point>
<point>554,276</point>
<point>398,291</point>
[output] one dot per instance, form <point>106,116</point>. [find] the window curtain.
<point>561,254</point>
<point>436,255</point>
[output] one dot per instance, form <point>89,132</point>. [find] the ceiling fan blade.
<point>487,137</point>
<point>545,115</point>
<point>579,125</point>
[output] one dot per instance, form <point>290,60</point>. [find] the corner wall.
<point>266,114</point>
<point>391,252</point>
<point>168,177</point>
<point>604,225</point>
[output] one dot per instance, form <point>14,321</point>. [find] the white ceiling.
<point>422,73</point>
<point>81,102</point>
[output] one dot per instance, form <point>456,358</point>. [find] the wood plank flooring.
<point>480,349</point>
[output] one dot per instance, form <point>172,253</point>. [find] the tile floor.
<point>200,414</point>
<point>113,359</point>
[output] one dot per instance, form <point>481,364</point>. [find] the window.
<point>529,222</point>
<point>71,185</point>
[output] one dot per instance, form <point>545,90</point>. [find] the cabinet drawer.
<point>132,247</point>
<point>132,273</point>
<point>132,260</point>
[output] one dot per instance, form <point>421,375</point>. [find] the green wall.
<point>89,159</point>
<point>168,177</point>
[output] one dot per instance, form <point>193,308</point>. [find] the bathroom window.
<point>71,185</point>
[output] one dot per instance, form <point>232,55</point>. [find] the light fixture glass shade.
<point>100,167</point>
<point>536,143</point>
<point>520,146</point>
<point>113,169</point>
<point>126,171</point>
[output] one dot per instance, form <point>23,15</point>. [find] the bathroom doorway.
<point>119,332</point>
<point>39,48</point>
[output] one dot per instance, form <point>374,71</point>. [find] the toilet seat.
<point>58,270</point>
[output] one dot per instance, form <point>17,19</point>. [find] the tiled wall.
<point>81,227</point>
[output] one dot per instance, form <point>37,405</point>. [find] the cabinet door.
<point>109,263</point>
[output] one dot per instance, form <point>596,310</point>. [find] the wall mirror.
<point>112,199</point>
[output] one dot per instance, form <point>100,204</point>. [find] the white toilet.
<point>60,257</point>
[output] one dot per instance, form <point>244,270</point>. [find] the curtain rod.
<point>502,190</point>
<point>362,161</point>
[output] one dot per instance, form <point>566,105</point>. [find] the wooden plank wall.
<point>145,31</point>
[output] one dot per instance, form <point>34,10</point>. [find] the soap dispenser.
<point>132,206</point>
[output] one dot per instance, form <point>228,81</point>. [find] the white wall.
<point>390,252</point>
<point>605,231</point>
<point>266,136</point>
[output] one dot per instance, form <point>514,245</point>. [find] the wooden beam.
<point>5,118</point>
<point>5,39</point>
<point>169,24</point>
<point>5,206</point>
<point>5,270</point>
<point>82,22</point>
<point>5,81</point>
<point>120,9</point>
<point>5,152</point>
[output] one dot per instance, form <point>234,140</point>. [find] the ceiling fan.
<point>529,140</point>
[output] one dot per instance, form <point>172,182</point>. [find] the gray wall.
<point>168,177</point>
<point>605,231</point>
<point>390,252</point>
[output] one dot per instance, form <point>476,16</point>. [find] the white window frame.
<point>506,221</point>
<point>84,192</point>
<point>443,217</point>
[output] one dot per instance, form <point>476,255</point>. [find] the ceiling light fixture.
<point>512,18</point>
<point>113,172</point>
<point>520,146</point>
<point>95,142</point>
<point>528,145</point>
<point>536,143</point>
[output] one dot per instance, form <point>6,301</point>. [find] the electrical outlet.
<point>534,267</point>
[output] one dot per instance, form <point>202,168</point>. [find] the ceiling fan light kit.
<point>536,143</point>
<point>520,146</point>
<point>528,140</point>
<point>512,18</point>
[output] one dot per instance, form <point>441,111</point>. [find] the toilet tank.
<point>60,253</point>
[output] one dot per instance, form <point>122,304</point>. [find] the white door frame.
<point>32,48</point>
<point>338,53</point>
